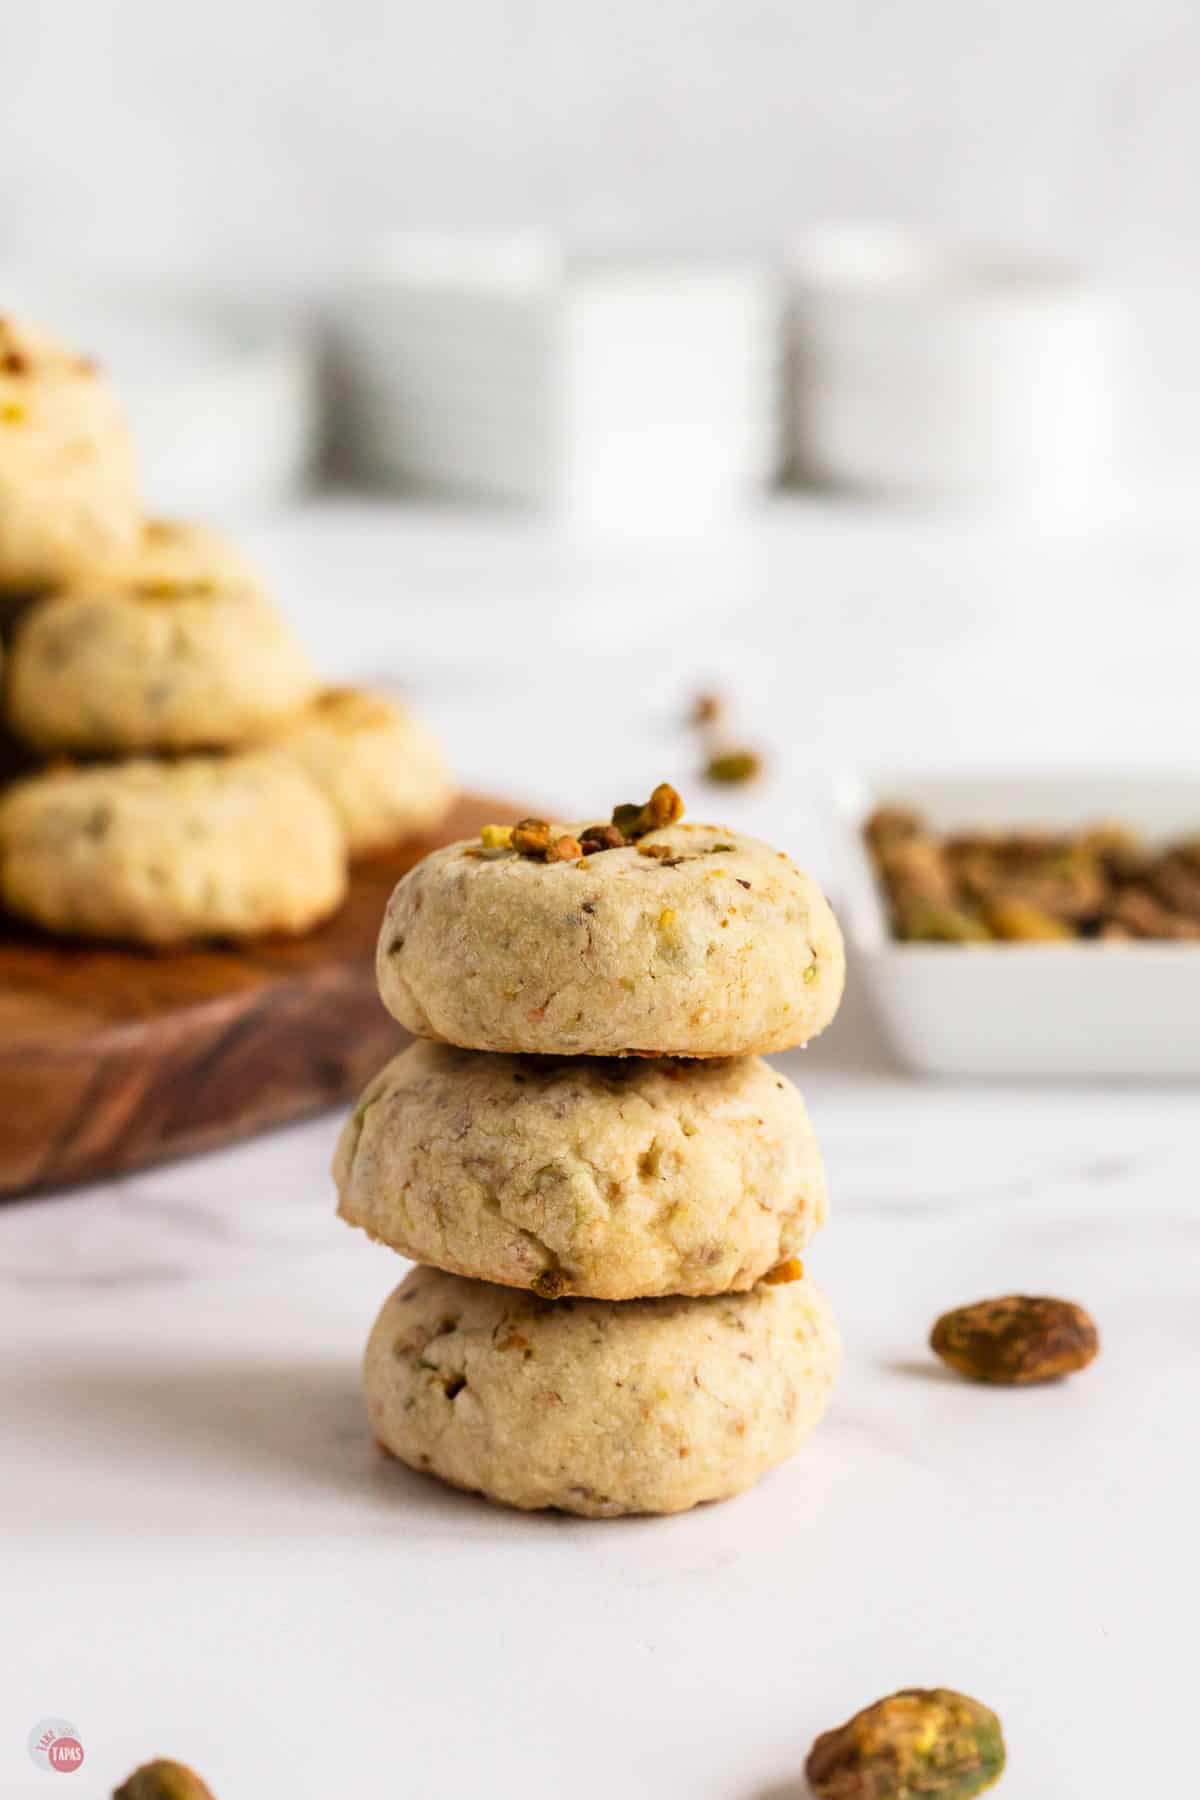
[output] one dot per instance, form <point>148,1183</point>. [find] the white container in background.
<point>924,372</point>
<point>1027,1011</point>
<point>613,387</point>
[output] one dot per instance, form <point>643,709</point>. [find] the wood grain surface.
<point>111,1058</point>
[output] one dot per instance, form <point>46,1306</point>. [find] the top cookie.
<point>68,486</point>
<point>692,941</point>
<point>184,650</point>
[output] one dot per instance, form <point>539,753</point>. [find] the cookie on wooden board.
<point>69,499</point>
<point>166,853</point>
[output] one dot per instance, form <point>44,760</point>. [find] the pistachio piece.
<point>663,808</point>
<point>918,1744</point>
<point>1017,1340</point>
<point>790,1269</point>
<point>733,766</point>
<point>564,849</point>
<point>531,837</point>
<point>497,837</point>
<point>601,837</point>
<point>163,1779</point>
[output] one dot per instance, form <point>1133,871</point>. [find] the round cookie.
<point>164,853</point>
<point>596,1407</point>
<point>695,941</point>
<point>611,1178</point>
<point>68,484</point>
<point>382,770</point>
<point>154,661</point>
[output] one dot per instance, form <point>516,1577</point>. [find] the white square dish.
<point>613,387</point>
<point>1064,1010</point>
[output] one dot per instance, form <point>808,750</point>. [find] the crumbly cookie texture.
<point>693,941</point>
<point>68,484</point>
<point>164,853</point>
<point>156,661</point>
<point>595,1407</point>
<point>382,769</point>
<point>174,554</point>
<point>611,1178</point>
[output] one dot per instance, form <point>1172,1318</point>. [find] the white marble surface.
<point>202,1553</point>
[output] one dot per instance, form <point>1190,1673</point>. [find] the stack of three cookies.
<point>606,1185</point>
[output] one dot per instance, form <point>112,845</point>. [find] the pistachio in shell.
<point>918,1744</point>
<point>163,1779</point>
<point>1017,1340</point>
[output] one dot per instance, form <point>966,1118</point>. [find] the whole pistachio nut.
<point>163,1779</point>
<point>1017,1340</point>
<point>918,1744</point>
<point>564,848</point>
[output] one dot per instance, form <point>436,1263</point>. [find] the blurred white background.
<point>180,1347</point>
<point>273,135</point>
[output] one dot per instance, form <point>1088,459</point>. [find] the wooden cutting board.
<point>112,1058</point>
